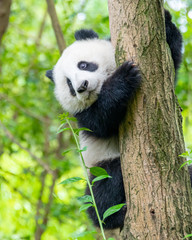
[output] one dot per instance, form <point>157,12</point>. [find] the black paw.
<point>129,72</point>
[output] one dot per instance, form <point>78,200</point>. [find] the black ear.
<point>84,34</point>
<point>49,74</point>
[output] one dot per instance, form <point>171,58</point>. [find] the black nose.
<point>83,87</point>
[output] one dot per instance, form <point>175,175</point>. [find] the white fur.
<point>99,149</point>
<point>97,51</point>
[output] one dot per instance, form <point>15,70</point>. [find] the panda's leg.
<point>109,192</point>
<point>174,39</point>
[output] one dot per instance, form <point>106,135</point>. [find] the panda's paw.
<point>130,73</point>
<point>130,70</point>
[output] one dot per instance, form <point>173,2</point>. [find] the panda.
<point>89,86</point>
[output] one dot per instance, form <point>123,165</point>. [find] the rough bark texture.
<point>4,16</point>
<point>158,193</point>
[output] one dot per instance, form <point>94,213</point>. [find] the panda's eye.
<point>82,65</point>
<point>87,66</point>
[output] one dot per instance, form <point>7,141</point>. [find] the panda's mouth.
<point>88,96</point>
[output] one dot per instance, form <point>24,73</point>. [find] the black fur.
<point>105,115</point>
<point>71,89</point>
<point>109,192</point>
<point>174,40</point>
<point>49,74</point>
<point>85,34</point>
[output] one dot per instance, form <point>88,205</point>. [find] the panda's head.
<point>81,71</point>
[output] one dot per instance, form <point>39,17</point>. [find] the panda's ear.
<point>84,34</point>
<point>49,74</point>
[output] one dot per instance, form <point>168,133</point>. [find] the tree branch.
<point>41,162</point>
<point>30,113</point>
<point>4,16</point>
<point>40,230</point>
<point>56,25</point>
<point>15,189</point>
<point>39,206</point>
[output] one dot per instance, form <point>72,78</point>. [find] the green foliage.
<point>186,155</point>
<point>85,198</point>
<point>71,180</point>
<point>98,171</point>
<point>29,111</point>
<point>112,210</point>
<point>187,236</point>
<point>85,207</point>
<point>99,178</point>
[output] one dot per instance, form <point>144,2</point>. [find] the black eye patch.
<point>87,66</point>
<point>72,91</point>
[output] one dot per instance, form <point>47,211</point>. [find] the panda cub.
<point>89,86</point>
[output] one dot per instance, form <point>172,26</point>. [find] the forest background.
<point>32,163</point>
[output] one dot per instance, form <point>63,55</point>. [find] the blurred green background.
<point>31,201</point>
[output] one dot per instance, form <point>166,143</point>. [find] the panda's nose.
<point>83,87</point>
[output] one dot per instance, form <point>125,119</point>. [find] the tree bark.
<point>4,16</point>
<point>56,25</point>
<point>158,193</point>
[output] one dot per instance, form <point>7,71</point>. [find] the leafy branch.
<point>98,172</point>
<point>66,118</point>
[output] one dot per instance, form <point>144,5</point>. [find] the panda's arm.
<point>105,115</point>
<point>174,40</point>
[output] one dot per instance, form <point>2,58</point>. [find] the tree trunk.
<point>158,193</point>
<point>4,16</point>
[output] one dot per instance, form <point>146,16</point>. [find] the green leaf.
<point>71,180</point>
<point>86,198</point>
<point>187,162</point>
<point>112,210</point>
<point>100,178</point>
<point>77,130</point>
<point>85,129</point>
<point>98,171</point>
<point>189,235</point>
<point>111,239</point>
<point>185,154</point>
<point>62,130</point>
<point>72,119</point>
<point>66,151</point>
<point>85,207</point>
<point>63,116</point>
<point>83,149</point>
